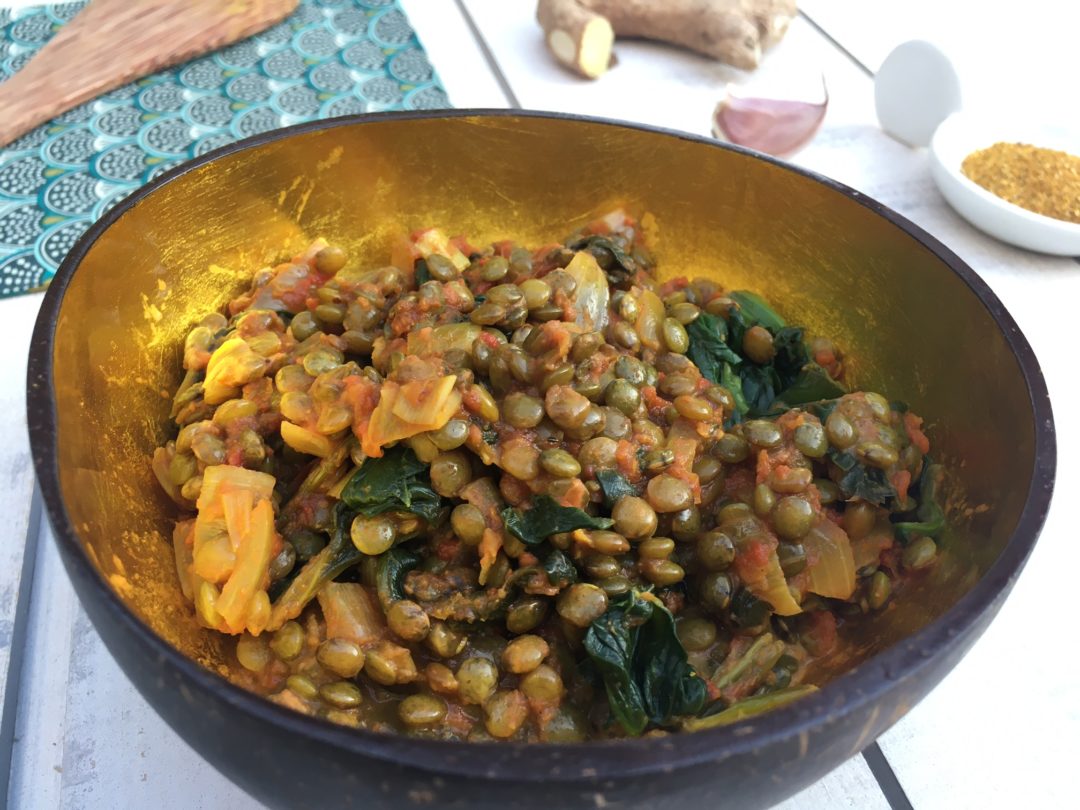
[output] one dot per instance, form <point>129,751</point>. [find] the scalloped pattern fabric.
<point>330,58</point>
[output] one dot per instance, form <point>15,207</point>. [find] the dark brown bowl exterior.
<point>918,323</point>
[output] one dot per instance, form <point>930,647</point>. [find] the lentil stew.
<point>534,494</point>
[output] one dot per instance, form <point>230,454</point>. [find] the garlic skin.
<point>775,126</point>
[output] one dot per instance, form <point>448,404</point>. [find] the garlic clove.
<point>775,126</point>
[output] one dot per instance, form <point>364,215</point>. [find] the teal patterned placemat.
<point>330,58</point>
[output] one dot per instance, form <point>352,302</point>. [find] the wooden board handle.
<point>112,42</point>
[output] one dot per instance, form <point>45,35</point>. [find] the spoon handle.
<point>112,42</point>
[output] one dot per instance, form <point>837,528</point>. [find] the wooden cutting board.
<point>112,42</point>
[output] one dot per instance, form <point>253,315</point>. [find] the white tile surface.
<point>451,47</point>
<point>652,83</point>
<point>16,473</point>
<point>995,713</point>
<point>1001,729</point>
<point>86,739</point>
<point>849,787</point>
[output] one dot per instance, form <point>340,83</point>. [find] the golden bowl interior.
<point>911,329</point>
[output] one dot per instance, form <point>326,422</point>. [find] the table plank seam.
<point>489,57</point>
<point>886,777</point>
<point>19,630</point>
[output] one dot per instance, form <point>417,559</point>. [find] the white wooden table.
<point>1002,730</point>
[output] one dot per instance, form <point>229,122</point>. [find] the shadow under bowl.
<point>916,323</point>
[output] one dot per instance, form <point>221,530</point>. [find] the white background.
<point>1002,730</point>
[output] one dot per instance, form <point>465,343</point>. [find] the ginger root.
<point>581,33</point>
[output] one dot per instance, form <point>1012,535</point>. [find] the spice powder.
<point>1046,181</point>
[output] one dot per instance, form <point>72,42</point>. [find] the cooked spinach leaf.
<point>547,517</point>
<point>749,707</point>
<point>396,482</point>
<point>823,409</point>
<point>423,274</point>
<point>812,384</point>
<point>930,514</point>
<point>789,378</point>
<point>749,611</point>
<point>337,556</point>
<point>709,350</point>
<point>607,252</point>
<point>765,395</point>
<point>791,354</point>
<point>800,380</point>
<point>559,568</point>
<point>860,480</point>
<point>747,669</point>
<point>754,308</point>
<point>731,381</point>
<point>737,323</point>
<point>634,649</point>
<point>614,486</point>
<point>390,574</point>
<point>759,387</point>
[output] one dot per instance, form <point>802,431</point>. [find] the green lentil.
<point>302,686</point>
<point>477,679</point>
<point>716,550</point>
<point>581,603</point>
<point>408,620</point>
<point>524,654</point>
<point>288,641</point>
<point>341,656</point>
<point>341,694</point>
<point>526,614</point>
<point>696,634</point>
<point>811,440</point>
<point>762,433</point>
<point>252,652</point>
<point>880,590</point>
<point>422,711</point>
<point>468,523</point>
<point>921,553</point>
<point>675,337</point>
<point>793,517</point>
<point>560,463</point>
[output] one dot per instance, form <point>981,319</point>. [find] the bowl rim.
<point>565,762</point>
